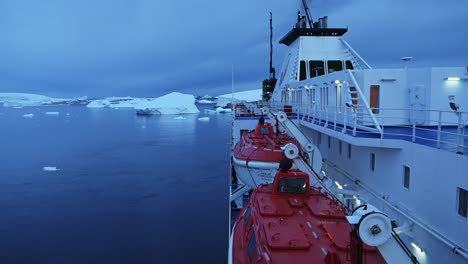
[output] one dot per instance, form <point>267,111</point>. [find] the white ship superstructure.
<point>396,136</point>
<point>393,138</point>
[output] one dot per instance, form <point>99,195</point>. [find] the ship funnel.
<point>320,22</point>
<point>325,22</point>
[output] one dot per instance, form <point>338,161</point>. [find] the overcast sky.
<point>148,48</point>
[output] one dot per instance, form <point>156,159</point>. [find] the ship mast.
<point>269,84</point>
<point>307,11</point>
<point>272,70</point>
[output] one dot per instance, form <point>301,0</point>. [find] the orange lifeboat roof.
<point>262,144</point>
<point>290,222</point>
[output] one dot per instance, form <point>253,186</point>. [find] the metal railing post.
<point>344,120</point>
<point>354,123</point>
<point>334,119</point>
<point>460,132</point>
<point>413,139</point>
<point>439,129</point>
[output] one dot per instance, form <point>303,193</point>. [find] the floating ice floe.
<point>180,118</point>
<point>209,111</point>
<point>52,113</point>
<point>28,115</point>
<point>47,168</point>
<point>223,110</point>
<point>206,118</point>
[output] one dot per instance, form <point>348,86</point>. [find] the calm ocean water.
<point>129,189</point>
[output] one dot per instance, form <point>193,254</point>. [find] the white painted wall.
<point>435,177</point>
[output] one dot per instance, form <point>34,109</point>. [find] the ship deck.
<point>447,138</point>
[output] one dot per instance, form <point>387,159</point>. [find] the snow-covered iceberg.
<point>25,99</point>
<point>170,104</point>
<point>117,102</point>
<point>173,103</point>
<point>245,96</point>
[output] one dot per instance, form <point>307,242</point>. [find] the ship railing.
<point>439,129</point>
<point>357,60</point>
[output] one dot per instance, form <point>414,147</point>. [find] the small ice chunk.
<point>52,113</point>
<point>223,110</point>
<point>206,118</point>
<point>47,168</point>
<point>180,118</point>
<point>17,107</point>
<point>143,126</point>
<point>28,115</point>
<point>68,114</point>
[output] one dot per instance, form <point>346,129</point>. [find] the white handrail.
<point>362,98</point>
<point>355,54</point>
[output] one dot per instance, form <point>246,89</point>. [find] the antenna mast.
<point>272,70</point>
<point>307,11</point>
<point>269,84</point>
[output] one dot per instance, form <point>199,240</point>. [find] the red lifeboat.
<point>257,155</point>
<point>289,221</point>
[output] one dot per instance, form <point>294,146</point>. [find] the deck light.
<point>324,173</point>
<point>452,78</point>
<point>337,82</point>
<point>417,247</point>
<point>338,185</point>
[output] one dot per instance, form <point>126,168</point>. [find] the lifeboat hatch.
<point>285,234</point>
<point>273,207</point>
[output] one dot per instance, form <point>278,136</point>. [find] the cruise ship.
<point>390,138</point>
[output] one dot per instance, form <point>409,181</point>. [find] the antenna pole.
<point>307,11</point>
<point>272,70</point>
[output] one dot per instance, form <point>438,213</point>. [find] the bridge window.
<point>349,151</point>
<point>334,65</point>
<point>316,68</point>
<point>372,158</point>
<point>329,142</point>
<point>406,177</point>
<point>319,138</point>
<point>292,185</point>
<point>463,202</point>
<point>340,147</point>
<point>265,131</point>
<point>349,65</point>
<point>302,71</point>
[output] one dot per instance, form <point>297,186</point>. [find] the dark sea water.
<point>129,189</point>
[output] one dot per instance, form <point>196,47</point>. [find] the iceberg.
<point>52,113</point>
<point>47,168</point>
<point>28,115</point>
<point>174,103</point>
<point>17,100</point>
<point>204,118</point>
<point>244,96</point>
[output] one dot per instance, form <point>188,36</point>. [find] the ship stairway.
<point>363,115</point>
<point>354,57</point>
